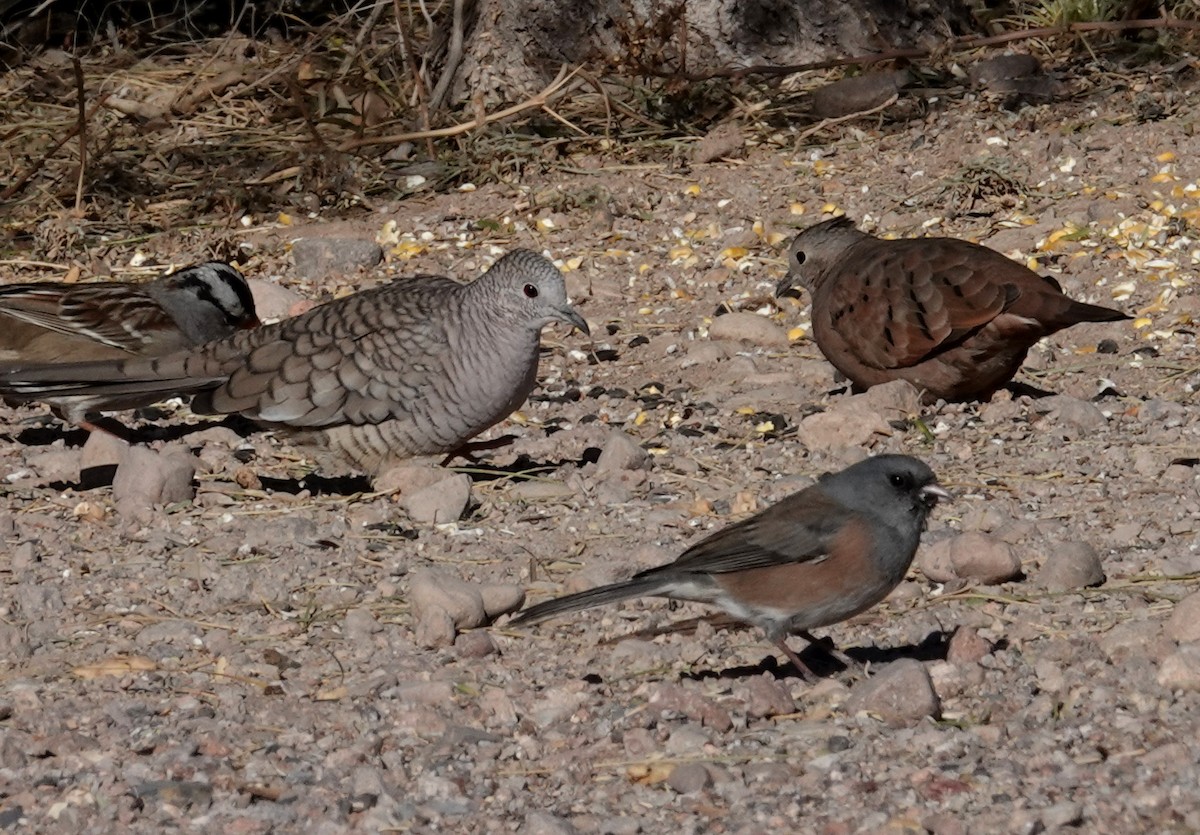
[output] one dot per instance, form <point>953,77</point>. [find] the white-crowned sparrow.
<point>52,322</point>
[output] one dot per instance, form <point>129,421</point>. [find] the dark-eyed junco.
<point>952,317</point>
<point>815,558</point>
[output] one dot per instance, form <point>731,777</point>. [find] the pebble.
<point>993,72</point>
<point>1070,416</point>
<point>273,301</point>
<point>1133,638</point>
<point>544,823</point>
<point>539,490</point>
<point>748,327</point>
<point>841,427</point>
<point>54,465</point>
<point>474,644</point>
<point>967,646</point>
<point>689,778</point>
<point>703,353</point>
<point>971,556</point>
<point>146,478</point>
<point>442,605</point>
<point>444,501</point>
<point>1070,565</point>
<point>767,697</point>
<point>1184,624</point>
<point>900,694</point>
<point>1181,669</point>
<point>621,452</point>
<point>725,140</point>
<point>318,257</point>
<point>893,400</point>
<point>857,93</point>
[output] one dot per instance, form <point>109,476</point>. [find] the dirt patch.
<point>250,661</point>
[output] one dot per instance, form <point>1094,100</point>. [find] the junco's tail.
<point>627,590</point>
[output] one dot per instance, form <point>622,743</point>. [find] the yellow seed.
<point>765,427</point>
<point>776,238</point>
<point>572,263</point>
<point>797,332</point>
<point>1123,291</point>
<point>796,208</point>
<point>1142,322</point>
<point>679,252</point>
<point>1165,156</point>
<point>1162,177</point>
<point>745,410</point>
<point>734,252</point>
<point>644,268</point>
<point>284,219</point>
<point>1032,263</point>
<point>830,209</point>
<point>407,249</point>
<point>640,419</point>
<point>692,190</point>
<point>645,311</point>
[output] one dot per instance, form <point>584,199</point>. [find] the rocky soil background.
<point>238,637</point>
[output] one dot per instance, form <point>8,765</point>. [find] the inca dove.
<point>415,367</point>
<point>952,317</point>
<point>813,559</point>
<point>51,322</point>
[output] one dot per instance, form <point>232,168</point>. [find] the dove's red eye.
<point>531,291</point>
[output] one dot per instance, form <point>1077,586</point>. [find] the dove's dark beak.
<point>571,316</point>
<point>787,285</point>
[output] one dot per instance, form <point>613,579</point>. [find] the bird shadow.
<point>817,656</point>
<point>824,665</point>
<point>523,467</point>
<point>49,430</point>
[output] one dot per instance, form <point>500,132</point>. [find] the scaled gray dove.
<point>954,318</point>
<point>416,367</point>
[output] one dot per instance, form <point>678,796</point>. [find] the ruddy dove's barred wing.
<point>916,297</point>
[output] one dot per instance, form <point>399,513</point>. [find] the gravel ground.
<point>291,651</point>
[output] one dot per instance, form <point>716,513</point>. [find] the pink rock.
<point>1184,624</point>
<point>900,694</point>
<point>445,501</point>
<point>972,556</point>
<point>146,478</point>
